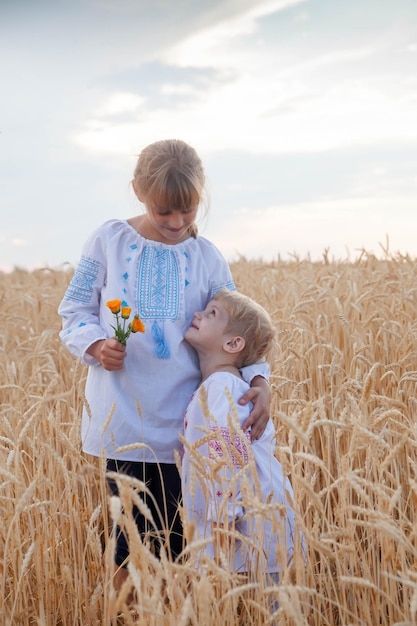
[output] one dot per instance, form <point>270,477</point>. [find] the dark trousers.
<point>163,481</point>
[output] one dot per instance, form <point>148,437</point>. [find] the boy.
<point>234,491</point>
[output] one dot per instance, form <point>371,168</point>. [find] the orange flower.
<point>114,306</point>
<point>126,311</point>
<point>121,331</point>
<point>136,325</point>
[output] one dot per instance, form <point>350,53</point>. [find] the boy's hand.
<point>260,395</point>
<point>109,352</point>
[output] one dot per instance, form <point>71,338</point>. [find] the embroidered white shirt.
<point>137,413</point>
<point>223,473</point>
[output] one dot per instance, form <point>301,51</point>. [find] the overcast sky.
<point>303,111</point>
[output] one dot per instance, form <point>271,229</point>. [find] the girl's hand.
<point>260,395</point>
<point>109,352</point>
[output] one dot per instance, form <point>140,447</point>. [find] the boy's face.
<point>207,330</point>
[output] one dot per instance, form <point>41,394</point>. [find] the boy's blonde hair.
<point>170,175</point>
<point>249,320</point>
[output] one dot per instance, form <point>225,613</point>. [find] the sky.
<point>304,113</point>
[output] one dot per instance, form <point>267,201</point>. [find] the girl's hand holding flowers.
<point>111,352</point>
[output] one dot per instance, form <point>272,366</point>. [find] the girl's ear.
<point>234,345</point>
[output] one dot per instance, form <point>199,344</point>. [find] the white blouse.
<point>137,413</point>
<point>221,472</point>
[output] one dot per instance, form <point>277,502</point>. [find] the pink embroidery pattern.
<point>236,446</point>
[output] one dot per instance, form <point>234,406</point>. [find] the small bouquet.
<point>122,311</point>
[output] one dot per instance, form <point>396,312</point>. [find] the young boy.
<point>235,495</point>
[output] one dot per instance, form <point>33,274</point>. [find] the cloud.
<point>344,227</point>
<point>222,42</point>
<point>292,105</point>
<point>238,84</point>
<point>119,103</point>
<point>203,88</point>
<point>18,242</point>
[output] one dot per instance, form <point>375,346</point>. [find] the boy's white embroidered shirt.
<point>222,470</point>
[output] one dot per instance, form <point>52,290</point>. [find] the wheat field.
<point>344,401</point>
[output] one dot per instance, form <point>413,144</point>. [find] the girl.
<point>164,271</point>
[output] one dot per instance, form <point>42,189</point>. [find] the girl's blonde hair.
<point>249,320</point>
<point>169,174</point>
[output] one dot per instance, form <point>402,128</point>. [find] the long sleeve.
<point>80,306</point>
<point>257,369</point>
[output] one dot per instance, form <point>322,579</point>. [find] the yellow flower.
<point>126,311</point>
<point>114,305</point>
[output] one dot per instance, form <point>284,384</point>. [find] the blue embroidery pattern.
<point>80,288</point>
<point>158,283</point>
<point>230,285</point>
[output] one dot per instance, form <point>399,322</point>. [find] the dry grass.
<point>344,404</point>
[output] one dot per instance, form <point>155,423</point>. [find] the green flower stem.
<point>121,332</point>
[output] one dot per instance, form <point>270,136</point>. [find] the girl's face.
<point>168,225</point>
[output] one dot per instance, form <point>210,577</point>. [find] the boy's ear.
<point>234,345</point>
